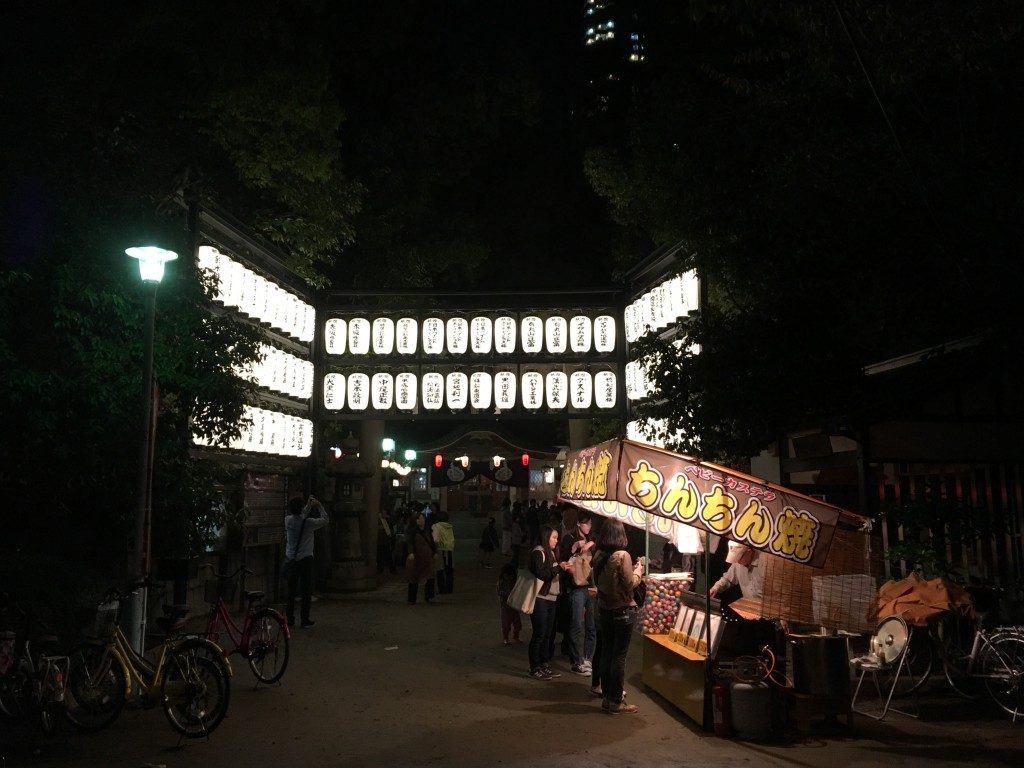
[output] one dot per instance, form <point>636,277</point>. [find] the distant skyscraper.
<point>614,54</point>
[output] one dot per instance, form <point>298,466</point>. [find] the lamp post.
<point>151,269</point>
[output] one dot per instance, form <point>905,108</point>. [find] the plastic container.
<point>664,598</point>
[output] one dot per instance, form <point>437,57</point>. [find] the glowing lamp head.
<point>151,261</point>
<point>496,460</point>
<point>410,454</point>
<point>525,458</point>
<point>438,460</point>
<point>387,444</point>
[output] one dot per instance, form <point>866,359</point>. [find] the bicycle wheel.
<point>1002,665</point>
<point>193,694</point>
<point>956,650</point>
<point>95,690</point>
<point>267,641</point>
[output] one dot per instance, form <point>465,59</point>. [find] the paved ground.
<point>379,683</point>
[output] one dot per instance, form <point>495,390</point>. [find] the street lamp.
<point>151,269</point>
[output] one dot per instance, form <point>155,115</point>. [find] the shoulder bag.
<point>524,594</point>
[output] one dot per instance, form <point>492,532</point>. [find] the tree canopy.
<point>845,177</point>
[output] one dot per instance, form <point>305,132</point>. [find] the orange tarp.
<point>919,601</point>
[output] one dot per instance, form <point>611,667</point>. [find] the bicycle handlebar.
<point>240,569</point>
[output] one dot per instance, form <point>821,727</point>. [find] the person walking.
<point>581,621</point>
<point>300,526</point>
<point>444,537</point>
<point>511,622</point>
<point>543,563</point>
<point>616,575</point>
<point>419,563</point>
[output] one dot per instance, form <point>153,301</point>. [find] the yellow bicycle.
<point>190,678</point>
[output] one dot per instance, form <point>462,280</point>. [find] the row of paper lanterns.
<point>270,432</point>
<point>480,335</point>
<point>255,296</point>
<point>281,372</point>
<point>662,305</point>
<point>480,390</point>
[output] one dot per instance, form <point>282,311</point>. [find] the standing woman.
<point>616,576</point>
<point>545,566</point>
<point>419,563</point>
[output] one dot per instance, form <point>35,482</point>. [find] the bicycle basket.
<point>214,589</point>
<point>105,620</point>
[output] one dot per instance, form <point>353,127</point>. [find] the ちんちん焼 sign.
<point>721,501</point>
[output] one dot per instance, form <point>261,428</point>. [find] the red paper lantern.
<point>438,460</point>
<point>525,458</point>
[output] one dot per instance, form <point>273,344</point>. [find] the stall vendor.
<point>744,569</point>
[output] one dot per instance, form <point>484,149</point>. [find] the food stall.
<point>815,564</point>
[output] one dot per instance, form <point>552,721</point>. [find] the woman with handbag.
<point>419,563</point>
<point>616,577</point>
<point>545,567</point>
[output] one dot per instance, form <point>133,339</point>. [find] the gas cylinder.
<point>720,708</point>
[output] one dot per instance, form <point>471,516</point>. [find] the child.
<point>488,543</point>
<point>510,619</point>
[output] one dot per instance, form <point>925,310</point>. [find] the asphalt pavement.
<point>378,682</point>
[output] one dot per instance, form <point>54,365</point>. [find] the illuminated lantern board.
<point>294,372</point>
<point>259,425</point>
<point>334,391</point>
<point>581,390</point>
<point>604,333</point>
<point>457,386</point>
<point>580,333</point>
<point>288,314</point>
<point>358,391</point>
<point>555,332</point>
<point>383,388</point>
<point>273,304</point>
<point>407,331</point>
<point>604,389</point>
<point>457,334</point>
<point>405,391</point>
<point>658,306</point>
<point>358,336</point>
<point>383,336</point>
<point>247,301</point>
<point>505,335</point>
<point>480,390</point>
<point>480,335</point>
<point>433,390</point>
<point>531,334</point>
<point>260,297</point>
<point>690,291</point>
<point>433,337</point>
<point>556,387</point>
<point>628,320</point>
<point>504,390</point>
<point>533,390</point>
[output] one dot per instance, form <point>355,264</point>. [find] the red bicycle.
<point>262,640</point>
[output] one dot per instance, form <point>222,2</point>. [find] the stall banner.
<point>767,517</point>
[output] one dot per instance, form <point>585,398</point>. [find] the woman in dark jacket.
<point>545,566</point>
<point>419,563</point>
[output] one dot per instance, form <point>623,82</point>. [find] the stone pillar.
<point>372,433</point>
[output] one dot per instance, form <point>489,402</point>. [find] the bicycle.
<point>190,678</point>
<point>996,658</point>
<point>263,638</point>
<point>32,685</point>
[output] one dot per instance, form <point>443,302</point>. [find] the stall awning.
<point>624,479</point>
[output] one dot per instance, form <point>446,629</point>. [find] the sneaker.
<point>550,672</point>
<point>539,674</point>
<point>622,708</point>
<point>587,665</point>
<point>579,669</point>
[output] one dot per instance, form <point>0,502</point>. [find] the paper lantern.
<point>236,285</point>
<point>383,336</point>
<point>382,388</point>
<point>406,333</point>
<point>480,390</point>
<point>556,389</point>
<point>433,391</point>
<point>438,460</point>
<point>531,334</point>
<point>555,333</point>
<point>581,390</point>
<point>273,305</point>
<point>405,391</point>
<point>580,333</point>
<point>604,333</point>
<point>433,336</point>
<point>358,387</point>
<point>481,331</point>
<point>632,391</point>
<point>206,258</point>
<point>533,390</point>
<point>504,390</point>
<point>604,389</point>
<point>457,390</point>
<point>691,291</point>
<point>334,391</point>
<point>309,328</point>
<point>457,334</point>
<point>247,301</point>
<point>358,336</point>
<point>260,298</point>
<point>525,459</point>
<point>505,335</point>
